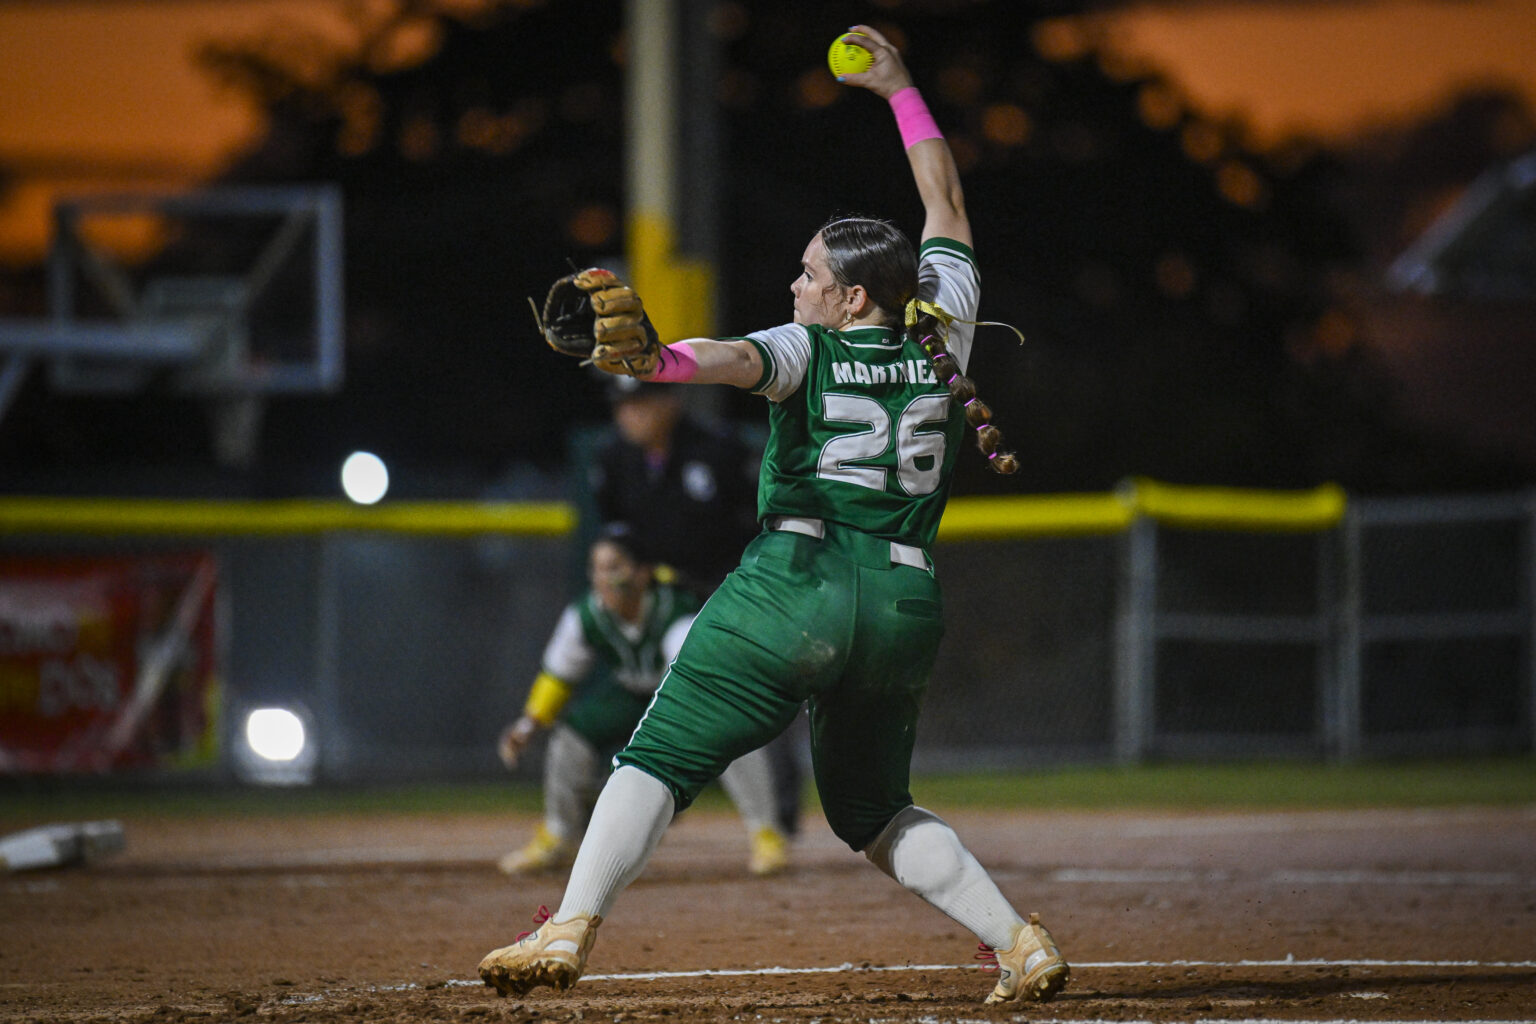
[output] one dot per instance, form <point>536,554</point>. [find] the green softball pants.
<point>829,622</point>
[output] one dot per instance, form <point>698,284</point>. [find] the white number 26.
<point>919,453</point>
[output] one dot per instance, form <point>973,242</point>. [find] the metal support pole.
<point>331,736</point>
<point>1136,646</point>
<point>1345,739</point>
<point>1326,618</point>
<point>13,373</point>
<point>1530,618</point>
<point>678,284</point>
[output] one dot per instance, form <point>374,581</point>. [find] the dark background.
<point>1208,315</point>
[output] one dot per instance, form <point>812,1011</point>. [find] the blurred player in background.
<point>835,602</point>
<point>608,651</point>
<point>691,491</point>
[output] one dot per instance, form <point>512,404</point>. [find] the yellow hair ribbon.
<point>917,307</point>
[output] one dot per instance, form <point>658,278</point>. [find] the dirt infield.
<point>1370,916</point>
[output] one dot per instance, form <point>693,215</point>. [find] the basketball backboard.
<point>253,273</point>
<point>230,293</point>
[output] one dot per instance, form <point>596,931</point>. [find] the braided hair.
<point>929,327</point>
<point>876,254</point>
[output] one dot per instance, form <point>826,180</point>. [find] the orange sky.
<point>104,93</point>
<point>1329,67</point>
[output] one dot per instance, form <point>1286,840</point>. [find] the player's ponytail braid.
<point>928,325</point>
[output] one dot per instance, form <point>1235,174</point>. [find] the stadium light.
<point>364,477</point>
<point>276,747</point>
<point>275,734</point>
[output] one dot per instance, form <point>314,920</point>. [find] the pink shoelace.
<point>988,954</point>
<point>538,919</point>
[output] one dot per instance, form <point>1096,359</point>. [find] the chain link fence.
<point>1388,628</point>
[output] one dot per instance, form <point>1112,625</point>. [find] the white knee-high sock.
<point>926,856</point>
<point>631,815</point>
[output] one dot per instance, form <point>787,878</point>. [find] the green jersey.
<point>637,654</point>
<point>861,430</point>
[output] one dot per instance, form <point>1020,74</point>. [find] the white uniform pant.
<point>574,773</point>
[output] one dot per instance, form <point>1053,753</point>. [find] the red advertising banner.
<point>107,663</point>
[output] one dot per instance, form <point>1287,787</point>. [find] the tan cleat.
<point>770,852</point>
<point>1032,968</point>
<point>544,852</point>
<point>554,954</point>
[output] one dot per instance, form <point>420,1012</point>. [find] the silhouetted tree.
<point>1176,287</point>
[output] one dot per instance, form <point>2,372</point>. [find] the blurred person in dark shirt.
<point>690,490</point>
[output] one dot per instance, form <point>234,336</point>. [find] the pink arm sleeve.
<point>676,364</point>
<point>912,117</point>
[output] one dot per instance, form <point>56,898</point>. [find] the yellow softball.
<point>847,59</point>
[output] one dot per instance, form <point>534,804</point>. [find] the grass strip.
<point>1248,785</point>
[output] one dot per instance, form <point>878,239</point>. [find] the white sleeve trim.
<point>790,347</point>
<point>568,656</point>
<point>948,277</point>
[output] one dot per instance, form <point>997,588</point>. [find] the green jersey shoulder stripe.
<point>957,250</point>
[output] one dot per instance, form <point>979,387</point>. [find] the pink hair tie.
<point>913,120</point>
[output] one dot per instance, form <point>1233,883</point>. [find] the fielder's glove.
<point>597,318</point>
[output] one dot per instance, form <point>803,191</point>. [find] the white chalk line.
<point>849,968</point>
<point>1091,965</point>
<point>1295,876</point>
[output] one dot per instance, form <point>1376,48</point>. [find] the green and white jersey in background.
<point>589,635</point>
<point>862,432</point>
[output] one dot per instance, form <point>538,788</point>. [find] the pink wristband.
<point>912,117</point>
<point>676,364</point>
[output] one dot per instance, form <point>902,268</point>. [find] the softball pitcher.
<point>835,603</point>
<point>608,650</point>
